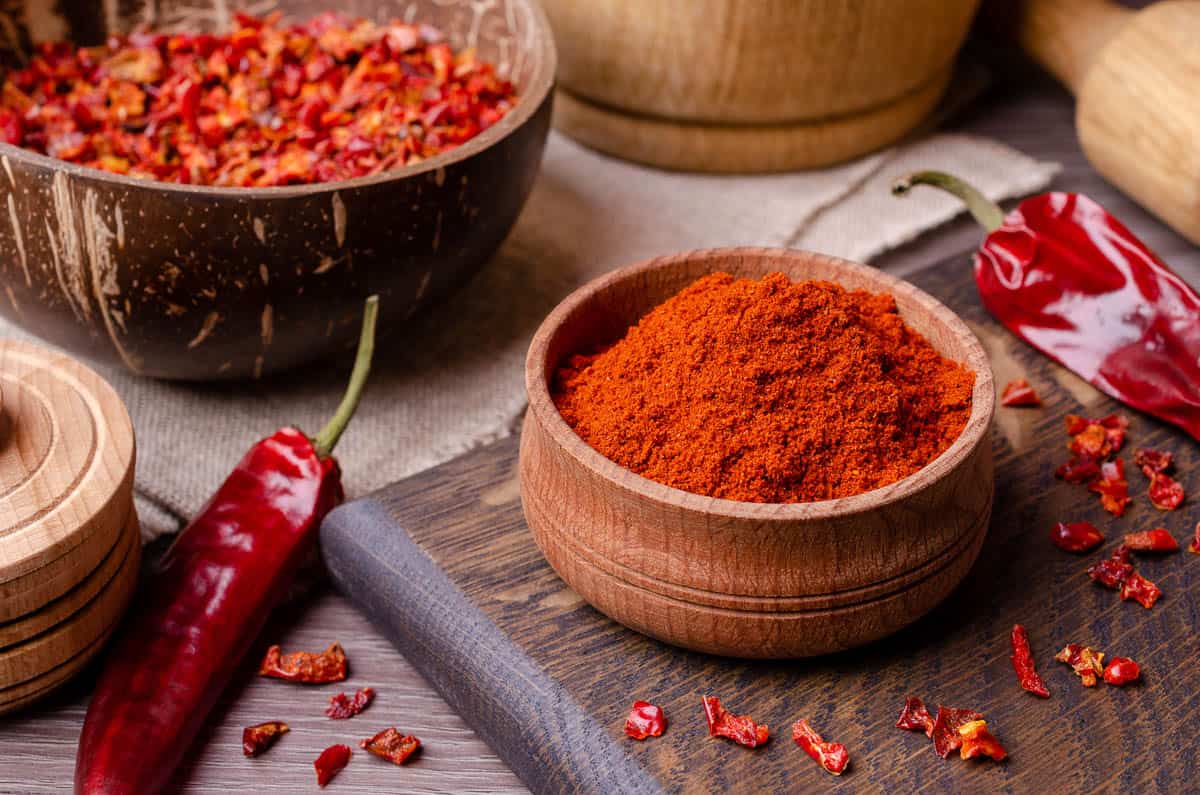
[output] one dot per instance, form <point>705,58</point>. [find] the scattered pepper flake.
<point>1152,462</point>
<point>330,763</point>
<point>978,741</point>
<point>1019,393</point>
<point>391,745</point>
<point>342,706</point>
<point>645,720</point>
<point>1138,588</point>
<point>1076,536</point>
<point>258,738</point>
<point>1120,671</point>
<point>1194,547</point>
<point>1084,660</point>
<point>1157,539</point>
<point>915,716</point>
<point>946,739</point>
<point>740,728</point>
<point>1166,493</point>
<point>306,667</point>
<point>1022,660</point>
<point>1080,469</point>
<point>1113,570</point>
<point>1112,487</point>
<point>833,757</point>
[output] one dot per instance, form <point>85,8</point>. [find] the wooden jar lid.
<point>66,475</point>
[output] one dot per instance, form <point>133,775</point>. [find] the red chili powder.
<point>768,391</point>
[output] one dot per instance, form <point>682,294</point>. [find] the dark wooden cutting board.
<point>445,566</point>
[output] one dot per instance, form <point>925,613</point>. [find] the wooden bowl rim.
<point>975,431</point>
<point>541,84</point>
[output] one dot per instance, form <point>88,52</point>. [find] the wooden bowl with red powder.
<point>749,577</point>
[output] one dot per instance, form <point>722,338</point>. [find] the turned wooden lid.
<point>66,475</point>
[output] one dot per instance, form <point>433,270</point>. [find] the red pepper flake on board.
<point>391,745</point>
<point>1120,671</point>
<point>1152,462</point>
<point>1084,660</point>
<point>342,706</point>
<point>1166,493</point>
<point>1080,469</point>
<point>307,667</point>
<point>257,739</point>
<point>1076,536</point>
<point>1022,660</point>
<point>914,717</point>
<point>1112,487</point>
<point>740,728</point>
<point>946,739</point>
<point>1157,539</point>
<point>978,741</point>
<point>1113,570</point>
<point>1194,547</point>
<point>1112,428</point>
<point>1019,393</point>
<point>330,763</point>
<point>1138,588</point>
<point>833,757</point>
<point>645,720</point>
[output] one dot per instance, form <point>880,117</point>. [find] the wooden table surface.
<point>37,748</point>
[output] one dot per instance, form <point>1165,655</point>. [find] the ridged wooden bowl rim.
<point>974,433</point>
<point>529,99</point>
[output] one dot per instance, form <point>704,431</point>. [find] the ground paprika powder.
<point>768,391</point>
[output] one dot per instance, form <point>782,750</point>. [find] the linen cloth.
<point>454,378</point>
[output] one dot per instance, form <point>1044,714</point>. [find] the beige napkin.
<point>454,379</point>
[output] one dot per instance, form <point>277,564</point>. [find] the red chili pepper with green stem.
<point>208,600</point>
<point>1067,277</point>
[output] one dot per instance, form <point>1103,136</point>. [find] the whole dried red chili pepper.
<point>833,757</point>
<point>1019,393</point>
<point>1084,660</point>
<point>914,716</point>
<point>306,667</point>
<point>208,600</point>
<point>257,739</point>
<point>946,739</point>
<point>1157,539</point>
<point>331,762</point>
<point>391,745</point>
<point>1022,660</point>
<point>1138,588</point>
<point>342,706</point>
<point>1072,281</point>
<point>645,720</point>
<point>1120,671</point>
<point>1076,536</point>
<point>978,741</point>
<point>740,728</point>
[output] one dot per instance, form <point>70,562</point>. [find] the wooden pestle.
<point>1136,75</point>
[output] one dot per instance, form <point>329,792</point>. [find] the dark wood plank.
<point>466,517</point>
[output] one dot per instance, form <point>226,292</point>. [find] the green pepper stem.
<point>327,439</point>
<point>986,211</point>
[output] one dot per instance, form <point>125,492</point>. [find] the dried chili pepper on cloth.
<point>740,728</point>
<point>391,745</point>
<point>257,739</point>
<point>303,666</point>
<point>1022,660</point>
<point>645,720</point>
<point>1072,281</point>
<point>208,600</point>
<point>833,757</point>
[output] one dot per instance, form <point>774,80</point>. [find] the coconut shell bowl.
<point>743,579</point>
<point>199,283</point>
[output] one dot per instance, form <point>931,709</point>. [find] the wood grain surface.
<point>37,748</point>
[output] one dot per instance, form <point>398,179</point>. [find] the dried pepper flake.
<point>1080,469</point>
<point>1113,570</point>
<point>391,745</point>
<point>1113,427</point>
<point>1157,539</point>
<point>1194,547</point>
<point>1120,671</point>
<point>342,706</point>
<point>645,720</point>
<point>1084,660</point>
<point>978,741</point>
<point>1076,536</point>
<point>1152,462</point>
<point>257,739</point>
<point>1166,493</point>
<point>1019,393</point>
<point>914,716</point>
<point>266,104</point>
<point>1112,487</point>
<point>330,763</point>
<point>307,667</point>
<point>1022,660</point>
<point>740,728</point>
<point>831,756</point>
<point>1139,589</point>
<point>946,739</point>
